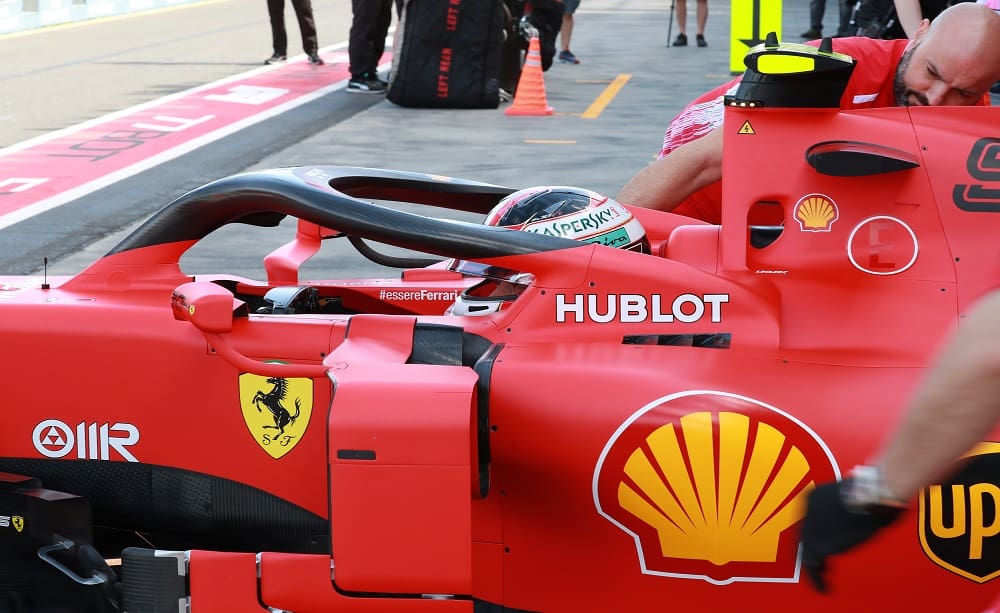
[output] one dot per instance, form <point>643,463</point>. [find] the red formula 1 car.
<point>635,432</point>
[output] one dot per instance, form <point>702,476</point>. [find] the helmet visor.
<point>487,297</point>
<point>475,269</point>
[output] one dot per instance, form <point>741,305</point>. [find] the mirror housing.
<point>209,307</point>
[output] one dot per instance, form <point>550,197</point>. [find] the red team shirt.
<point>871,85</point>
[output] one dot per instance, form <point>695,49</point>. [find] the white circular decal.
<point>882,245</point>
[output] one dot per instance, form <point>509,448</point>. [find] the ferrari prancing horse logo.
<point>15,521</point>
<point>276,410</point>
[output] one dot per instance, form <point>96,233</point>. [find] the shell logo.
<point>710,484</point>
<point>815,213</point>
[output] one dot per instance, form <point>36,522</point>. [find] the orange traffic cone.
<point>529,98</point>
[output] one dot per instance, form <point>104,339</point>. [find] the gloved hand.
<point>830,527</point>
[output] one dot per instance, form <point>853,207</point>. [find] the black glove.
<point>830,527</point>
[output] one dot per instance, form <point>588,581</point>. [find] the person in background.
<point>911,12</point>
<point>816,10</point>
<point>369,27</point>
<point>566,32</point>
<point>702,17</point>
<point>307,27</point>
<point>995,5</point>
<point>929,70</point>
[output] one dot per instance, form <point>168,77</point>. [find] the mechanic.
<point>952,61</point>
<point>957,405</point>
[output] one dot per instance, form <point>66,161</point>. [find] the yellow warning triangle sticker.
<point>746,128</point>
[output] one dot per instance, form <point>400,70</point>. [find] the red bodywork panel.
<point>634,432</point>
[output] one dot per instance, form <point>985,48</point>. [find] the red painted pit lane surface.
<point>45,172</point>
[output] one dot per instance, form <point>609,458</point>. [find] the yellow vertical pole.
<point>751,20</point>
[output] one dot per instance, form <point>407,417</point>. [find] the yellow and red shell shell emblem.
<point>710,485</point>
<point>815,213</point>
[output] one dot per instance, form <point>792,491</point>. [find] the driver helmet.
<point>570,212</point>
<point>566,212</point>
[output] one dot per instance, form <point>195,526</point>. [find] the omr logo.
<point>54,439</point>
<point>983,164</point>
<point>709,485</point>
<point>960,520</point>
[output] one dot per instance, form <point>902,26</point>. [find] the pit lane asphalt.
<point>613,38</point>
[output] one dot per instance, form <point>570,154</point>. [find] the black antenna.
<point>45,273</point>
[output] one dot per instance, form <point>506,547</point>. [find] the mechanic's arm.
<point>669,180</point>
<point>956,407</point>
<point>910,15</point>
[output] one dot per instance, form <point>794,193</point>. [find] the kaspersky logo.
<point>710,485</point>
<point>960,520</point>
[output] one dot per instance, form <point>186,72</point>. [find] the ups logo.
<point>960,519</point>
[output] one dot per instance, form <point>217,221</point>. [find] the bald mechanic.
<point>952,61</point>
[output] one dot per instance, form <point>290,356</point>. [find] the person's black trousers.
<point>307,26</point>
<point>369,26</point>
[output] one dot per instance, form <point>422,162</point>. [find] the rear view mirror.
<point>209,307</point>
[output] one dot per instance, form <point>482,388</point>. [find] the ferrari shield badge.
<point>12,521</point>
<point>710,486</point>
<point>960,519</point>
<point>276,410</point>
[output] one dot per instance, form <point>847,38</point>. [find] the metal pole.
<point>670,24</point>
